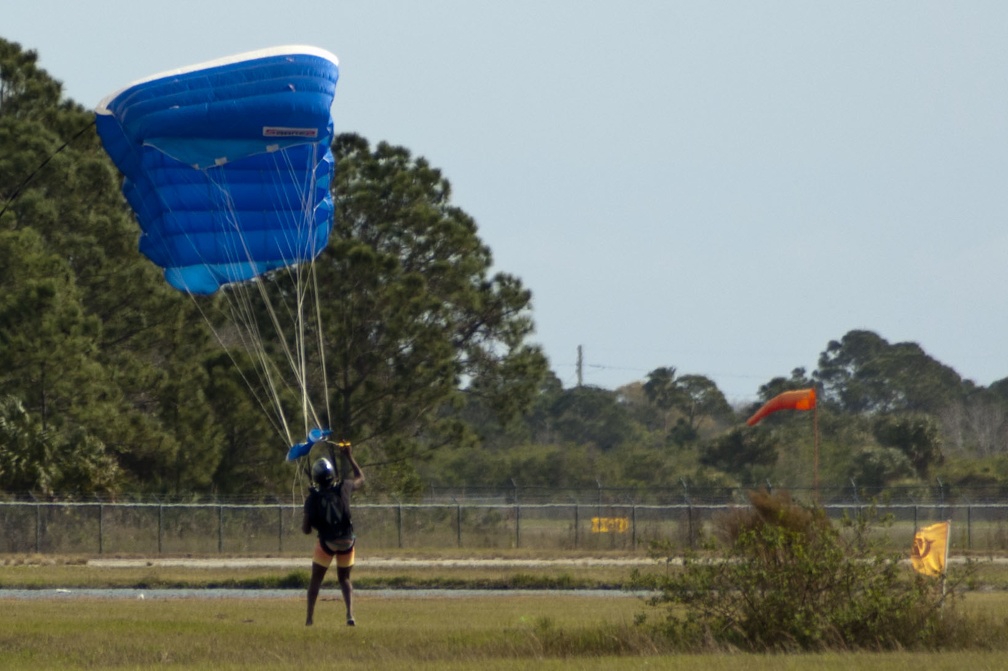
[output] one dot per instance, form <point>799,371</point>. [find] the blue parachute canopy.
<point>227,164</point>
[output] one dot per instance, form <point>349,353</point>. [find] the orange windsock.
<point>799,399</point>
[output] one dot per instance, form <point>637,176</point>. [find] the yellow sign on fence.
<point>610,525</point>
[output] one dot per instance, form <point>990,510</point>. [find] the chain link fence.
<point>151,529</point>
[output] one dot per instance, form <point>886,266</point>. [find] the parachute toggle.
<point>301,449</point>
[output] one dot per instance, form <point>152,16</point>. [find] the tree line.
<point>113,384</point>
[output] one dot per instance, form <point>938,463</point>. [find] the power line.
<point>37,170</point>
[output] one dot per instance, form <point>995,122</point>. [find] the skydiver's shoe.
<point>350,622</point>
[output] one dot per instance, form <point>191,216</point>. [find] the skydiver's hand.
<point>344,447</point>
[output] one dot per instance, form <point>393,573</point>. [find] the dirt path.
<point>389,562</point>
<point>369,562</point>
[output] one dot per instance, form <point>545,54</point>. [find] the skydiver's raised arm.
<point>358,475</point>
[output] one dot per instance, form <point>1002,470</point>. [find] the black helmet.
<point>323,474</point>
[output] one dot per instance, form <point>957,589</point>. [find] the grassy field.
<point>408,630</point>
<point>498,632</point>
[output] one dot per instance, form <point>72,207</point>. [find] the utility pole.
<point>580,362</point>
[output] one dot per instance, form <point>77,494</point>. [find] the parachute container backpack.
<point>227,166</point>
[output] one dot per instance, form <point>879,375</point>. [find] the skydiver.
<point>327,510</point>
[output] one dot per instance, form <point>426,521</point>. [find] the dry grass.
<point>30,571</point>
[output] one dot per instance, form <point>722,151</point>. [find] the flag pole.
<point>796,399</point>
<point>948,542</point>
<point>815,450</point>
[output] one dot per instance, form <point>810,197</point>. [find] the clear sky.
<point>722,187</point>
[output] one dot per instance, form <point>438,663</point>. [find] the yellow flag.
<point>930,549</point>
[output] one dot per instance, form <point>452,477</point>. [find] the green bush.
<point>781,577</point>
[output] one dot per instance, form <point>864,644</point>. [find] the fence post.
<point>160,527</point>
<point>633,527</point>
<point>101,528</point>
<point>220,529</point>
<point>576,524</point>
<point>280,528</point>
<point>38,528</point>
<point>517,525</point>
<point>598,506</point>
<point>969,527</point>
<point>399,523</point>
<point>517,514</point>
<point>458,528</point>
<point>689,525</point>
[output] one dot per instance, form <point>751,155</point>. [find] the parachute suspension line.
<point>321,346</point>
<point>312,289</point>
<point>238,299</point>
<point>247,343</point>
<point>282,431</point>
<point>304,283</point>
<point>248,334</point>
<point>304,278</point>
<point>311,281</point>
<point>218,336</point>
<point>301,371</point>
<point>296,354</point>
<point>243,312</point>
<point>301,367</point>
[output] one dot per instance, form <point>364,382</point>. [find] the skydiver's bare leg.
<point>343,574</point>
<point>317,575</point>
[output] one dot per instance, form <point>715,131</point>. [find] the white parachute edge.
<point>288,50</point>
